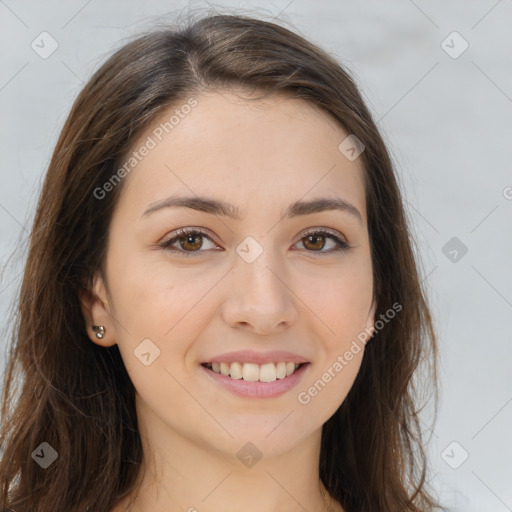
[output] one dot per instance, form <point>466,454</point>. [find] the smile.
<point>251,372</point>
<point>251,380</point>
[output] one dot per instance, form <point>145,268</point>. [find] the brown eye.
<point>187,242</point>
<point>315,241</point>
<point>191,242</point>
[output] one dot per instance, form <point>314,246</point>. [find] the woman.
<point>221,308</point>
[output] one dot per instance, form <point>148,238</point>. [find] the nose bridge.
<point>259,295</point>
<point>257,265</point>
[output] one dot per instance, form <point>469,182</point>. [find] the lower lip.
<point>258,389</point>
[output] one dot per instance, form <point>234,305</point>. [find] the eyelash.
<point>181,233</point>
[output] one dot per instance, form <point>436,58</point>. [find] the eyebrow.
<point>217,207</point>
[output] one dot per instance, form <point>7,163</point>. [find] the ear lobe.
<point>95,309</point>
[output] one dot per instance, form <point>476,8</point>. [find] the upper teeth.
<point>268,372</point>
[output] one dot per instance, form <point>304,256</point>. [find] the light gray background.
<point>447,121</point>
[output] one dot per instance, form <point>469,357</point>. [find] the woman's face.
<point>261,278</point>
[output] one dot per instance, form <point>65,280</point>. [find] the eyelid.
<point>327,231</point>
<point>182,232</point>
<point>339,239</point>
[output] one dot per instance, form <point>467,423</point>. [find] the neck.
<point>180,475</point>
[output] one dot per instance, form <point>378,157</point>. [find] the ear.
<point>370,322</point>
<point>96,310</point>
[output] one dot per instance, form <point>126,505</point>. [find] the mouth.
<point>251,372</point>
<point>255,381</point>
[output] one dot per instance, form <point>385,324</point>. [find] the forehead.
<point>257,152</point>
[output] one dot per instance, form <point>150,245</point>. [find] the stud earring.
<point>100,331</point>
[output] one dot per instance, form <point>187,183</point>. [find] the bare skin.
<point>298,295</point>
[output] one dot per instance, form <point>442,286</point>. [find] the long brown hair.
<point>77,396</point>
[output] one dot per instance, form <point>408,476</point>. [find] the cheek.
<point>322,394</point>
<point>162,305</point>
<point>340,299</point>
<point>160,312</point>
<point>343,305</point>
<point>155,299</point>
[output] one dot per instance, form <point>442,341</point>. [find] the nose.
<point>259,298</point>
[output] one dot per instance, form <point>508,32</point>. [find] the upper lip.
<point>250,356</point>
